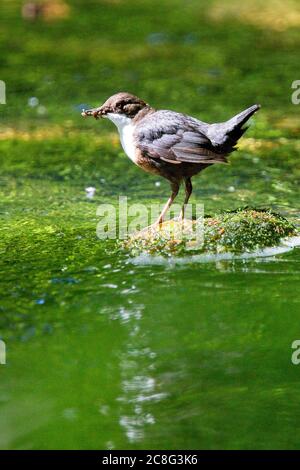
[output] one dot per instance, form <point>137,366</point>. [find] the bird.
<point>168,143</point>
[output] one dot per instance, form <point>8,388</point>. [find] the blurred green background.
<point>107,352</point>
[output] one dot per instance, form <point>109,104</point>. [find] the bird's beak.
<point>96,112</point>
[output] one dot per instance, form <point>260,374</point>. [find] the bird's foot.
<point>153,227</point>
<point>180,218</point>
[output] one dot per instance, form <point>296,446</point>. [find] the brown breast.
<point>146,163</point>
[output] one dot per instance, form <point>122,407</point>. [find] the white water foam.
<point>286,245</point>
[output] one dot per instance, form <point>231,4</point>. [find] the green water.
<point>105,351</point>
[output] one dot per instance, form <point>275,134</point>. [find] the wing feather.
<point>176,138</point>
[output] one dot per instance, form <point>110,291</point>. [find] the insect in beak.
<point>95,112</point>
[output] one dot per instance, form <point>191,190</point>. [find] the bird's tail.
<point>225,135</point>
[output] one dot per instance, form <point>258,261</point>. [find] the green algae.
<point>246,230</point>
<point>239,231</point>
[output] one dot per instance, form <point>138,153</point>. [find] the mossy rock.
<point>243,230</point>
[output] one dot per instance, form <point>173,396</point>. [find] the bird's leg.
<point>188,192</point>
<point>175,189</point>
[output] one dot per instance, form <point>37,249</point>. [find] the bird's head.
<point>122,104</point>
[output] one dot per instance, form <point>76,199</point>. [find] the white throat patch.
<point>126,129</point>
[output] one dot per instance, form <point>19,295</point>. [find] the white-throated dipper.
<point>170,144</point>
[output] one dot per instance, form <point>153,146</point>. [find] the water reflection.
<point>138,384</point>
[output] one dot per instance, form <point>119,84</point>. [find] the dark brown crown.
<point>123,103</point>
<point>120,103</point>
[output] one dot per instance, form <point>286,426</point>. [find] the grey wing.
<point>176,138</point>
